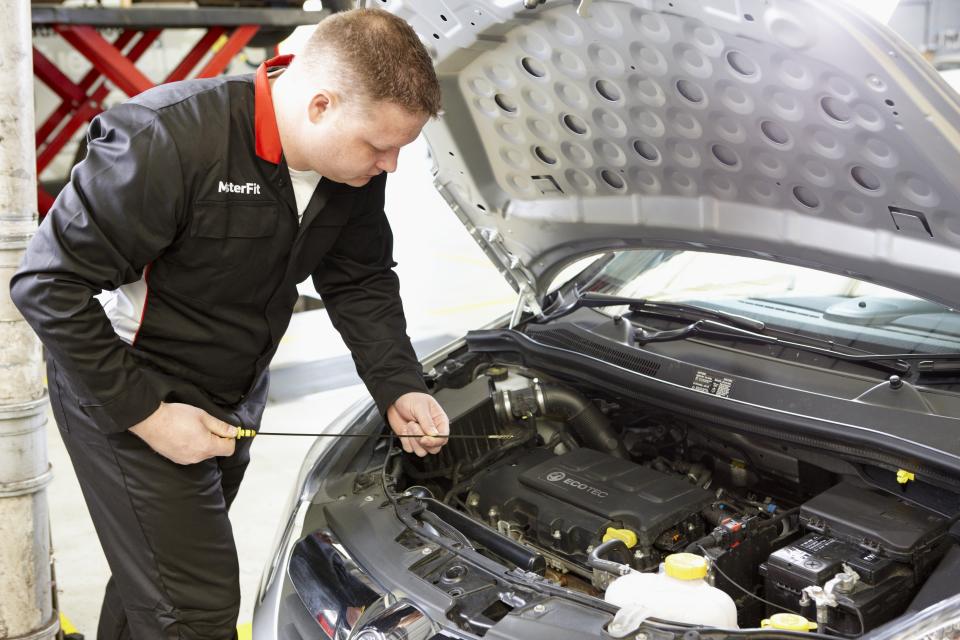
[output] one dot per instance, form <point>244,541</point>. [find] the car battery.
<point>890,544</point>
<point>879,522</point>
<point>885,587</point>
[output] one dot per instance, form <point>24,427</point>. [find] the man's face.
<point>351,143</point>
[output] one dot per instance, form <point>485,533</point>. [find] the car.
<point>726,403</point>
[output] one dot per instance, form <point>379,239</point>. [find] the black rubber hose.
<point>706,542</point>
<point>714,539</point>
<point>484,536</point>
<point>596,560</point>
<point>441,525</point>
<point>783,515</point>
<point>714,515</point>
<point>568,405</point>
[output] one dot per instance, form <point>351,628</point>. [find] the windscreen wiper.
<point>709,322</point>
<point>928,364</point>
<point>671,310</point>
<point>894,362</point>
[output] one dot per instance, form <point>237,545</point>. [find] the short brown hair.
<point>379,55</point>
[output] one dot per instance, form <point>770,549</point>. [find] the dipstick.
<point>250,433</point>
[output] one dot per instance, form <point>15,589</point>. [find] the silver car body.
<point>798,131</point>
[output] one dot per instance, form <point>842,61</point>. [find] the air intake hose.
<point>554,401</point>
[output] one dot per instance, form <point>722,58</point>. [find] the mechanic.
<point>165,274</point>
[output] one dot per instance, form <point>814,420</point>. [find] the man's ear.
<point>320,105</point>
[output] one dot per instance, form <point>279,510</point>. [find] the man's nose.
<point>388,161</point>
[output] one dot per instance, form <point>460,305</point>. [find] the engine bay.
<point>597,487</point>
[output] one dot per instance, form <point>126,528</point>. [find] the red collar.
<point>266,133</point>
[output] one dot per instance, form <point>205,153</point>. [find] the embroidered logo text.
<point>228,187</point>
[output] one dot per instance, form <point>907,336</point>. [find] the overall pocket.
<point>230,254</point>
<point>227,233</point>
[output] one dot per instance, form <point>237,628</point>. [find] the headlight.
<point>384,620</point>
<point>360,417</point>
<point>940,621</point>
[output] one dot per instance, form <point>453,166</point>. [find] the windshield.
<point>817,303</point>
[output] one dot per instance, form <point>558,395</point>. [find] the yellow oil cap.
<point>788,622</point>
<point>685,566</point>
<point>628,537</point>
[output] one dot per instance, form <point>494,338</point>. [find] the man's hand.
<point>418,413</point>
<point>185,434</point>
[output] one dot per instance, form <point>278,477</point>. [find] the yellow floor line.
<point>66,625</point>
<point>244,631</point>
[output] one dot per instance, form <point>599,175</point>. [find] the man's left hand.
<point>417,413</point>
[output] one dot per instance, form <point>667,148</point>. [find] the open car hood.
<point>798,131</point>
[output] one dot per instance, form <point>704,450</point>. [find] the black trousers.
<point>163,528</point>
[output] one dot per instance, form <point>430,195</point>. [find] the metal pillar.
<point>26,602</point>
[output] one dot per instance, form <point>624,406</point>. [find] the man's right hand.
<point>185,434</point>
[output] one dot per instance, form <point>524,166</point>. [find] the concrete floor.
<point>448,287</point>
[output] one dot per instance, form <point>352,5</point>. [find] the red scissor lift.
<point>115,62</point>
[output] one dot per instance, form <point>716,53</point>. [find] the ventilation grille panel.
<point>619,356</point>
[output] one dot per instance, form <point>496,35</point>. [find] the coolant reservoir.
<point>678,593</point>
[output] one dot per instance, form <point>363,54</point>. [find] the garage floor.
<point>448,287</point>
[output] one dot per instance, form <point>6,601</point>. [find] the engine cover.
<point>565,503</point>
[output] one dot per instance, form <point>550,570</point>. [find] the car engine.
<point>583,471</point>
<point>560,502</point>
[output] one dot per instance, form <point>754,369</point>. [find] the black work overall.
<point>185,196</point>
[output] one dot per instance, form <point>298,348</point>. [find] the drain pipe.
<point>26,594</point>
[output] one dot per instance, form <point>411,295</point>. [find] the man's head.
<point>362,87</point>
